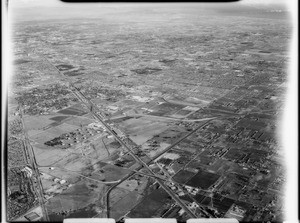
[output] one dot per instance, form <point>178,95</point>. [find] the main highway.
<point>131,152</point>
<point>96,113</point>
<point>148,163</point>
<point>35,169</point>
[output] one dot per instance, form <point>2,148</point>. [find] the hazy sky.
<point>54,3</point>
<point>32,10</point>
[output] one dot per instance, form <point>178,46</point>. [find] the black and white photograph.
<point>171,110</point>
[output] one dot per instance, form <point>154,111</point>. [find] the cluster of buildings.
<point>41,100</point>
<point>67,140</point>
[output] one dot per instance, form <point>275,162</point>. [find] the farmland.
<point>147,111</point>
<point>203,179</point>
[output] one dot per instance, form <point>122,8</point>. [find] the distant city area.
<point>148,111</point>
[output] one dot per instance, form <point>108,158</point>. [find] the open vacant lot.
<point>166,109</point>
<point>142,129</point>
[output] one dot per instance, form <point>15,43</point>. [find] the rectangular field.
<point>150,205</point>
<point>203,179</point>
<point>183,176</point>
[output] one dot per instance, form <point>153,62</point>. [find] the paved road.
<point>96,114</point>
<point>35,169</point>
<point>145,165</point>
<point>149,175</point>
<point>163,117</point>
<point>182,187</point>
<point>170,192</point>
<point>149,162</point>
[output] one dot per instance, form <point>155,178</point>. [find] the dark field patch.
<point>76,197</point>
<point>187,198</point>
<point>54,124</point>
<point>113,172</point>
<point>159,195</point>
<point>69,111</point>
<point>150,205</point>
<point>166,108</point>
<point>124,205</point>
<point>146,70</point>
<point>80,213</point>
<point>73,73</point>
<point>264,51</point>
<point>247,155</point>
<point>257,155</point>
<point>183,176</point>
<point>200,198</point>
<point>59,118</point>
<point>21,61</point>
<point>165,161</point>
<point>146,209</point>
<point>250,124</point>
<point>83,213</point>
<point>216,112</point>
<point>203,179</point>
<point>73,111</point>
<point>222,204</point>
<point>235,154</point>
<point>176,166</point>
<point>167,61</point>
<point>157,113</point>
<point>122,119</point>
<point>63,67</point>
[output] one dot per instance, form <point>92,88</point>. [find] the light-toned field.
<point>99,148</point>
<point>60,129</point>
<point>12,105</point>
<point>88,116</point>
<point>78,161</point>
<point>70,177</point>
<point>189,149</point>
<point>74,162</point>
<point>172,156</point>
<point>127,103</point>
<point>65,158</point>
<point>78,121</point>
<point>125,204</point>
<point>142,129</point>
<point>130,185</point>
<point>46,156</point>
<point>43,137</point>
<point>37,122</point>
<point>116,195</point>
<point>32,133</point>
<point>146,133</point>
<point>47,183</point>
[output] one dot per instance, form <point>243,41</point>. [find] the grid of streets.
<point>147,111</point>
